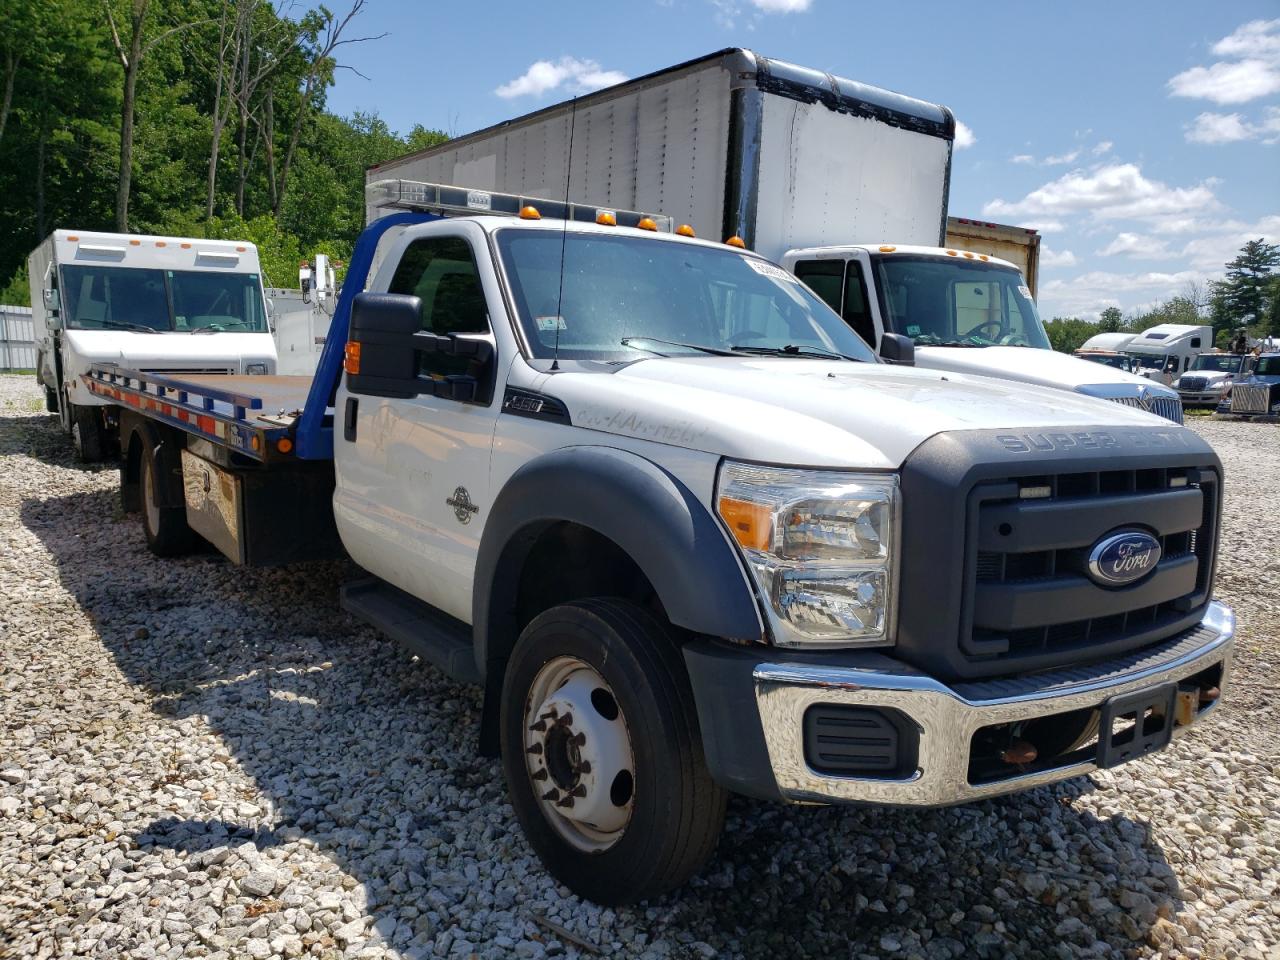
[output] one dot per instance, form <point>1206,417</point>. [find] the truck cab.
<point>1210,377</point>
<point>1166,351</point>
<point>966,313</point>
<point>154,304</point>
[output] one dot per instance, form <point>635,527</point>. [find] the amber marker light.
<point>284,444</point>
<point>685,230</point>
<point>606,219</point>
<point>736,241</point>
<point>530,213</point>
<point>750,523</point>
<point>351,360</point>
<point>647,223</point>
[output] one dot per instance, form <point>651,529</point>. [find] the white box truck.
<point>843,183</point>
<point>148,303</point>
<point>1164,352</point>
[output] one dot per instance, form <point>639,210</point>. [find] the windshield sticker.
<point>913,330</point>
<point>766,269</point>
<point>1025,291</point>
<point>547,324</point>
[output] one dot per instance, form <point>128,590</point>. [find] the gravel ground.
<point>197,760</point>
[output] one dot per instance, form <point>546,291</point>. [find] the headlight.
<point>822,548</point>
<point>258,368</point>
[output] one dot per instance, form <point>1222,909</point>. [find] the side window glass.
<point>856,311</point>
<point>441,272</point>
<point>824,277</point>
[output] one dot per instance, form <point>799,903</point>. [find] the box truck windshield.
<point>184,301</point>
<point>627,294</point>
<point>940,301</point>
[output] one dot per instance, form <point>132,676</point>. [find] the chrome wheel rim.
<point>578,754</point>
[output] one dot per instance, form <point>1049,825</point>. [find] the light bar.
<point>443,199</point>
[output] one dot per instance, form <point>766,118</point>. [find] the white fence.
<point>17,338</point>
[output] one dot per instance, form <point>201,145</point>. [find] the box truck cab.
<point>783,158</point>
<point>966,312</point>
<point>1167,350</point>
<point>147,303</point>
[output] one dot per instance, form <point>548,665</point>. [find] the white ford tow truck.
<point>154,304</point>
<point>842,183</point>
<point>692,536</point>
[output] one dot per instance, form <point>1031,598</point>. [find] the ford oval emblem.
<point>1123,558</point>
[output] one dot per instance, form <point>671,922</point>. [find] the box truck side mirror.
<point>899,349</point>
<point>53,309</point>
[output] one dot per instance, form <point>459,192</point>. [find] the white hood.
<point>1047,368</point>
<point>166,351</point>
<point>814,412</point>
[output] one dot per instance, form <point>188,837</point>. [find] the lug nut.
<point>578,739</point>
<point>578,791</point>
<point>535,748</point>
<point>566,720</point>
<point>539,727</point>
<point>539,774</point>
<point>552,794</point>
<point>566,802</point>
<point>583,767</point>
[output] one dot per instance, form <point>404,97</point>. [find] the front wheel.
<point>88,433</point>
<point>602,754</point>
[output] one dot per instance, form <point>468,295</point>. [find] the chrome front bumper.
<point>948,716</point>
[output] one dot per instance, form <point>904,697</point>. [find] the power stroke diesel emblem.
<point>1123,558</point>
<point>463,508</point>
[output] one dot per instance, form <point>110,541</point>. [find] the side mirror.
<point>899,349</point>
<point>53,309</point>
<point>383,346</point>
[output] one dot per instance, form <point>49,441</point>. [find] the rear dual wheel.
<point>602,754</point>
<point>164,525</point>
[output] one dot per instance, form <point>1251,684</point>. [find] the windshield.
<point>942,301</point>
<point>629,296</point>
<point>1218,363</point>
<point>129,298</point>
<point>1115,360</point>
<point>1267,367</point>
<point>1156,361</point>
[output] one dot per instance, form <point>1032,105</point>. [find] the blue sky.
<point>1142,138</point>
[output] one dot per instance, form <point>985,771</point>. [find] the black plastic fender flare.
<point>647,512</point>
<point>154,437</point>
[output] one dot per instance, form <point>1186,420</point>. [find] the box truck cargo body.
<point>1017,245</point>
<point>734,144</point>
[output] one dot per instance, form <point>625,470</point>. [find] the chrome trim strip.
<point>946,719</point>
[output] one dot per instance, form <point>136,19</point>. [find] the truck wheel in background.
<point>88,433</point>
<point>51,400</point>
<point>602,754</point>
<point>165,526</point>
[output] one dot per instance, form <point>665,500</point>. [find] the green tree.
<point>1110,320</point>
<point>1068,334</point>
<point>1244,293</point>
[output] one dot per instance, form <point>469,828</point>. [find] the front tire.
<point>88,433</point>
<point>602,754</point>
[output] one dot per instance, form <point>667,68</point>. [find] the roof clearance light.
<point>351,361</point>
<point>685,230</point>
<point>952,253</point>
<point>606,218</point>
<point>983,257</point>
<point>647,223</point>
<point>736,241</point>
<point>887,249</point>
<point>135,243</point>
<point>185,246</point>
<point>161,243</point>
<point>240,249</point>
<point>968,256</point>
<point>74,239</point>
<point>530,213</point>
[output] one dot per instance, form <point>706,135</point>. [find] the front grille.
<point>1028,595</point>
<point>1168,407</point>
<point>1192,384</point>
<point>1250,398</point>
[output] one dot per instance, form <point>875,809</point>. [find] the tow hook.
<point>1190,699</point>
<point>1019,752</point>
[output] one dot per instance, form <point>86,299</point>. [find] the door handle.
<point>349,419</point>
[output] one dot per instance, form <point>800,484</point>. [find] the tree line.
<point>1247,296</point>
<point>188,117</point>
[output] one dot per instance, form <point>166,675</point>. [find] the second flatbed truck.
<point>692,537</point>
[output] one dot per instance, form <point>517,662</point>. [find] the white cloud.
<point>1089,293</point>
<point>544,76</point>
<point>1216,242</point>
<point>1022,158</point>
<point>964,136</point>
<point>1136,247</point>
<point>1103,147</point>
<point>1233,127</point>
<point>1252,71</point>
<point>1113,191</point>
<point>1257,38</point>
<point>1061,159</point>
<point>1044,226</point>
<point>1052,258</point>
<point>782,6</point>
